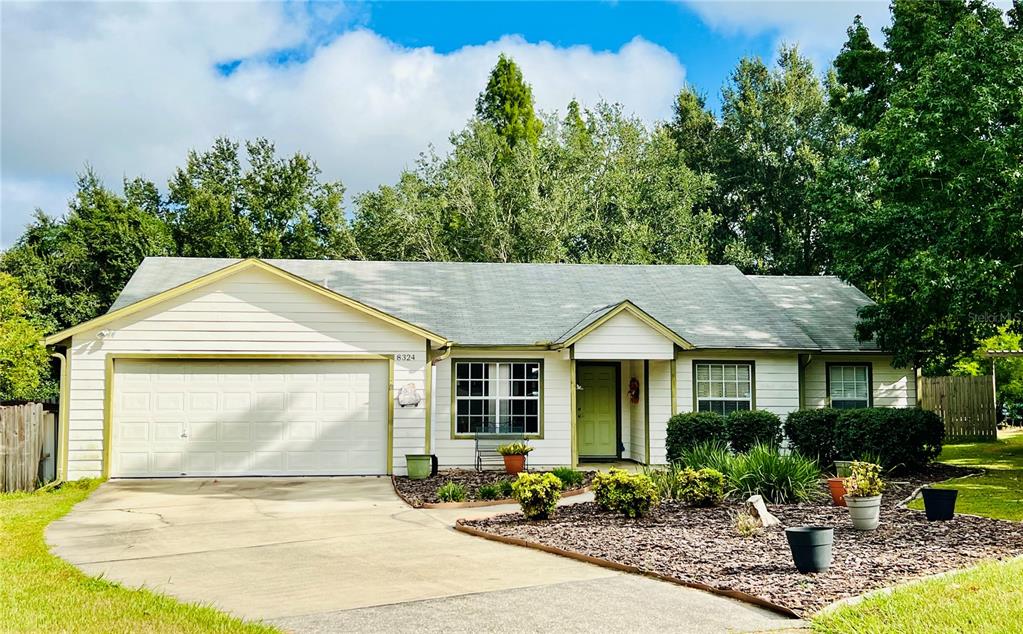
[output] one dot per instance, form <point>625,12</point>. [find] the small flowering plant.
<point>865,480</point>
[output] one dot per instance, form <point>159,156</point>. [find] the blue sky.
<point>130,88</point>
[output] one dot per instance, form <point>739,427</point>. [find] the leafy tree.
<point>775,141</point>
<point>937,236</point>
<point>507,104</point>
<point>694,129</point>
<point>74,268</point>
<point>23,358</point>
<point>1008,370</point>
<point>271,208</point>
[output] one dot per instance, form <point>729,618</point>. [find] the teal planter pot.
<point>811,547</point>
<point>940,504</point>
<point>419,465</point>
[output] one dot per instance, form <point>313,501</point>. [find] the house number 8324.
<point>405,356</point>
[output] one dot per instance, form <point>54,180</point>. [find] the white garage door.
<point>224,418</point>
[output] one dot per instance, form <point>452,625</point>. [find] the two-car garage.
<point>175,417</point>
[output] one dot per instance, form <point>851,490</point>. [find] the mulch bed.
<point>419,492</point>
<point>701,545</point>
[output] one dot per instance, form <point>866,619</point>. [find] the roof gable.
<point>601,316</point>
<point>234,268</point>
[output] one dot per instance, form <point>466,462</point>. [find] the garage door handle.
<point>184,434</point>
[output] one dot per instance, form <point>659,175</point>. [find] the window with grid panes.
<point>497,397</point>
<point>724,387</point>
<point>849,386</point>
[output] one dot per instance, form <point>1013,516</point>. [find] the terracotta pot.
<point>514,464</point>
<point>837,488</point>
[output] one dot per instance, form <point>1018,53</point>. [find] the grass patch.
<point>981,600</point>
<point>999,492</point>
<point>978,600</point>
<point>40,592</point>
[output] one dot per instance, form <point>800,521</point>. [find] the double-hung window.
<point>724,387</point>
<point>849,385</point>
<point>497,397</point>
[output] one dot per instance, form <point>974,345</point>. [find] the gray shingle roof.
<point>525,304</point>
<point>823,306</point>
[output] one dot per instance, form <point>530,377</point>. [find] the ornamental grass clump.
<point>631,494</point>
<point>451,492</point>
<point>489,491</point>
<point>570,478</point>
<point>780,479</point>
<point>707,455</point>
<point>537,494</point>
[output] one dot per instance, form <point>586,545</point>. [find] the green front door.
<point>597,410</point>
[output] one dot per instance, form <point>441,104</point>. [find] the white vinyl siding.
<point>776,376</point>
<point>659,403</point>
<point>553,449</point>
<point>891,386</point>
<point>637,415</point>
<point>624,336</point>
<point>251,312</point>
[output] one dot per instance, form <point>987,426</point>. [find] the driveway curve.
<point>345,554</point>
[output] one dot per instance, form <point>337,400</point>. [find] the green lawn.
<point>988,598</point>
<point>40,592</point>
<point>999,492</point>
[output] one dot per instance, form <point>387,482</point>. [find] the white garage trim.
<point>108,389</point>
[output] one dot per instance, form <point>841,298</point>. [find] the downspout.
<point>63,415</point>
<point>802,380</point>
<point>431,381</point>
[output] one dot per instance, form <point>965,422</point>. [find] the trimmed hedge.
<point>811,432</point>
<point>898,438</point>
<point>747,428</point>
<point>694,428</point>
<point>905,439</point>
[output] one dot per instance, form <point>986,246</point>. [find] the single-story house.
<point>219,367</point>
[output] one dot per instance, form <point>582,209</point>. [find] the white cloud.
<point>817,26</point>
<point>130,89</point>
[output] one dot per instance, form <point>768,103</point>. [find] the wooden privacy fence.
<point>965,403</point>
<point>21,446</point>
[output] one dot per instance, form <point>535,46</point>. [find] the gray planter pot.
<point>864,512</point>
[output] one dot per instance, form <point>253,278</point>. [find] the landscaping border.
<point>613,565</point>
<point>475,503</point>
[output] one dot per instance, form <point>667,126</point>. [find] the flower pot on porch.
<point>811,547</point>
<point>419,465</point>
<point>515,463</point>
<point>836,486</point>
<point>865,512</point>
<point>939,504</point>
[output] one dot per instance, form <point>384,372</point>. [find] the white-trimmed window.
<point>724,387</point>
<point>497,397</point>
<point>849,386</point>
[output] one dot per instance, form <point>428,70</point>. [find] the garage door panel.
<point>249,418</point>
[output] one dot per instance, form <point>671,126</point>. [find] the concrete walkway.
<point>345,554</point>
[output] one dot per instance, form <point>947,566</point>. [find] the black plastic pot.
<point>940,504</point>
<point>811,547</point>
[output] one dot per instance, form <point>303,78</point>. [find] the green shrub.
<point>693,428</point>
<point>489,491</point>
<point>569,477</point>
<point>631,494</point>
<point>895,438</point>
<point>780,479</point>
<point>751,427</point>
<point>504,487</point>
<point>451,492</point>
<point>811,432</point>
<point>514,449</point>
<point>703,487</point>
<point>694,487</point>
<point>537,493</point>
<point>707,455</point>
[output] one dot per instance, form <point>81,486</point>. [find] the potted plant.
<point>419,465</point>
<point>863,495</point>
<point>836,486</point>
<point>514,456</point>
<point>842,468</point>
<point>939,504</point>
<point>811,547</point>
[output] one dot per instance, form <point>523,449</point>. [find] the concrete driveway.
<point>345,554</point>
